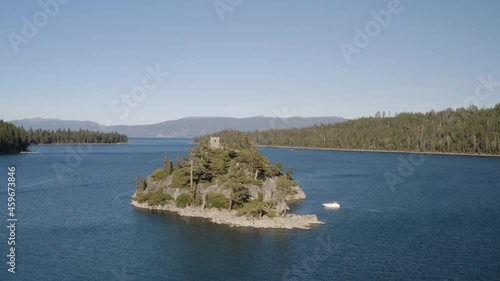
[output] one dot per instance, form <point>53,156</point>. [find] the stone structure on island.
<point>214,142</point>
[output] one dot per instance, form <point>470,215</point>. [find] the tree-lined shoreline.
<point>470,131</point>
<point>14,139</point>
<point>379,151</point>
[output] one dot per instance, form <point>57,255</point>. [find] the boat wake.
<point>373,211</point>
<point>123,198</point>
<point>37,183</point>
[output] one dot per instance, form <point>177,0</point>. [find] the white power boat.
<point>333,205</point>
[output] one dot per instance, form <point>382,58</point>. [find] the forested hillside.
<point>471,130</point>
<point>15,139</point>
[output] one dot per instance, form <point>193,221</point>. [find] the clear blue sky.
<point>262,58</point>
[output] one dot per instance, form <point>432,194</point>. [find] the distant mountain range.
<point>184,127</point>
<point>54,124</point>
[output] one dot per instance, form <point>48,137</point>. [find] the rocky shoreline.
<point>223,216</point>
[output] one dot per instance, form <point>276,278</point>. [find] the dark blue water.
<point>441,222</point>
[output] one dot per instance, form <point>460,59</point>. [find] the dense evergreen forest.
<point>15,139</point>
<point>12,138</point>
<point>471,131</point>
<point>67,136</point>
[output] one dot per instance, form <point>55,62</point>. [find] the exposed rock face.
<point>268,189</point>
<point>230,218</point>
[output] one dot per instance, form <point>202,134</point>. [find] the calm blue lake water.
<point>441,223</point>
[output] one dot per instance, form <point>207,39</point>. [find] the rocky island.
<point>227,182</point>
